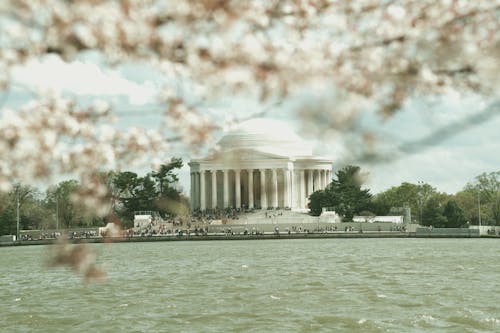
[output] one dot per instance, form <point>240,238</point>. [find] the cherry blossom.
<point>370,52</point>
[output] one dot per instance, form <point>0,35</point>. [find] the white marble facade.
<point>259,164</point>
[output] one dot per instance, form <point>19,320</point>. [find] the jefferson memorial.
<point>260,164</point>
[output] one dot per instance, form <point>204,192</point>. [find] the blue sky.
<point>132,89</point>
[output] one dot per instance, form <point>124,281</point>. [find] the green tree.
<point>320,199</point>
<point>433,213</point>
<point>33,212</point>
<point>133,194</point>
<point>410,195</point>
<point>489,187</point>
<point>169,199</point>
<point>28,198</point>
<point>344,194</point>
<point>467,201</point>
<point>486,186</point>
<point>165,178</point>
<point>59,199</point>
<point>156,191</point>
<point>455,215</point>
<point>7,220</point>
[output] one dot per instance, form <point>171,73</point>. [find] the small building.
<point>143,219</point>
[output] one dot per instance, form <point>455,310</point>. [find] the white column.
<point>237,188</point>
<point>203,203</point>
<point>226,188</point>
<point>328,177</point>
<point>192,191</point>
<point>214,189</point>
<point>196,191</point>
<point>323,173</point>
<point>310,176</point>
<point>263,194</point>
<point>286,192</point>
<point>275,187</point>
<point>302,192</point>
<point>316,176</point>
<point>250,188</point>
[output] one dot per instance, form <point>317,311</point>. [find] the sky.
<point>132,89</point>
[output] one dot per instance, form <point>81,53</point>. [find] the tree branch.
<point>451,129</point>
<point>437,136</point>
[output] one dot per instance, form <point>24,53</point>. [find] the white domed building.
<point>259,164</point>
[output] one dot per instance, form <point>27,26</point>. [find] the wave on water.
<point>259,286</point>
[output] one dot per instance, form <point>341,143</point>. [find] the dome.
<point>267,136</point>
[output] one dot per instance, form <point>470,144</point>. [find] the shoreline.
<point>224,237</point>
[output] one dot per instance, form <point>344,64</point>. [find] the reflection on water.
<point>342,285</point>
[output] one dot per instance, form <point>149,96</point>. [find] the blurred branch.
<point>451,129</point>
<point>436,137</point>
<point>264,112</point>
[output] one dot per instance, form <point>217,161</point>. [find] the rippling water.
<point>324,285</point>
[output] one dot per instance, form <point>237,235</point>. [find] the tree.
<point>433,213</point>
<point>487,187</point>
<point>370,53</point>
<point>32,211</point>
<point>153,192</point>
<point>320,199</point>
<point>344,194</point>
<point>7,216</point>
<point>406,194</point>
<point>455,216</point>
<point>165,178</point>
<point>36,215</point>
<point>61,200</point>
<point>27,198</point>
<point>467,201</point>
<point>352,199</point>
<point>134,193</point>
<point>167,189</point>
<point>442,211</point>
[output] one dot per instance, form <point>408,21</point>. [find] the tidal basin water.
<point>325,285</point>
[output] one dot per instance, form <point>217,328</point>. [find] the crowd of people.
<point>198,224</point>
<point>57,234</point>
<point>218,214</point>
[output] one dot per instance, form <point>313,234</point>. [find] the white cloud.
<point>80,78</point>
